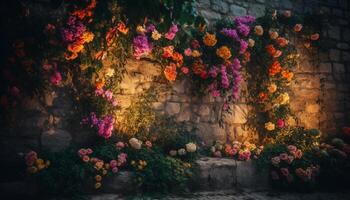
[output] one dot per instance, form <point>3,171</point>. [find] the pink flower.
<point>82,152</point>
<point>280,123</point>
<point>285,171</point>
<point>99,92</point>
<point>56,78</point>
<point>120,145</point>
<point>108,95</point>
<point>298,154</point>
<point>30,158</point>
<point>115,170</point>
<point>113,163</point>
<point>292,148</point>
<point>184,70</point>
<point>170,36</point>
<point>290,159</point>
<point>283,156</point>
<point>274,175</point>
<point>148,144</point>
<point>89,151</point>
<point>122,159</point>
<point>115,102</point>
<point>188,52</point>
<point>86,158</point>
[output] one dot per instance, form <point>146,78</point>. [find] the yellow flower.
<point>195,53</point>
<point>272,88</point>
<point>47,163</point>
<point>109,72</point>
<point>259,30</point>
<point>209,39</point>
<point>104,172</point>
<point>282,99</point>
<point>97,185</point>
<point>223,52</point>
<point>132,162</point>
<point>140,29</point>
<point>270,126</point>
<point>39,161</point>
<point>41,166</point>
<point>156,35</point>
<point>98,178</point>
<point>87,36</point>
<point>291,121</point>
<point>140,167</point>
<point>107,166</point>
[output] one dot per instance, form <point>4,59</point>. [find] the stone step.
<point>223,173</point>
<point>213,174</point>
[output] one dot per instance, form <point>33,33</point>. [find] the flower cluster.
<point>101,167</point>
<point>108,95</point>
<point>105,125</point>
<point>287,167</point>
<point>35,164</point>
<point>189,148</point>
<point>236,150</point>
<point>75,35</point>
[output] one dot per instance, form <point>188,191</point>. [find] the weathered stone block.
<point>55,139</point>
<point>238,10</point>
<point>172,108</point>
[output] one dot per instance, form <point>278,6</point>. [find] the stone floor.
<point>237,195</point>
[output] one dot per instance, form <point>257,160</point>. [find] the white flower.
<point>191,147</point>
<point>173,152</point>
<point>135,143</point>
<point>181,152</point>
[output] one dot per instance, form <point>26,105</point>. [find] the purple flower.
<point>243,29</point>
<point>224,79</point>
<point>150,28</point>
<point>213,72</point>
<point>141,46</point>
<point>173,28</point>
<point>232,33</point>
<point>236,64</point>
<point>170,35</point>
<point>105,127</point>
<point>248,19</point>
<point>215,93</point>
<point>244,46</point>
<point>74,30</point>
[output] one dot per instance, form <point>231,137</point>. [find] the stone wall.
<point>321,90</point>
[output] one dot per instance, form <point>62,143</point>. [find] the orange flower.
<point>298,27</point>
<point>282,42</point>
<point>262,96</point>
<point>92,5</point>
<point>122,28</point>
<point>99,84</point>
<point>307,45</point>
<point>275,68</point>
<point>76,47</point>
<point>270,49</point>
<point>87,36</point>
<point>168,51</point>
<point>81,14</point>
<point>223,52</point>
<point>246,56</point>
<point>110,35</point>
<point>209,39</point>
<point>198,67</point>
<point>170,72</point>
<point>287,75</point>
<point>177,57</point>
<point>315,36</point>
<point>100,55</point>
<point>70,56</point>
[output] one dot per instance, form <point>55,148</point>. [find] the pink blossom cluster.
<point>73,31</point>
<point>107,94</point>
<point>104,125</point>
<point>30,158</point>
<point>170,35</point>
<point>141,45</point>
<point>84,154</point>
<point>114,164</point>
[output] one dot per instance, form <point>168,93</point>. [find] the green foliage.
<point>162,173</point>
<point>305,139</point>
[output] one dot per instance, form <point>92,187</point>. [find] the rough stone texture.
<point>55,139</point>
